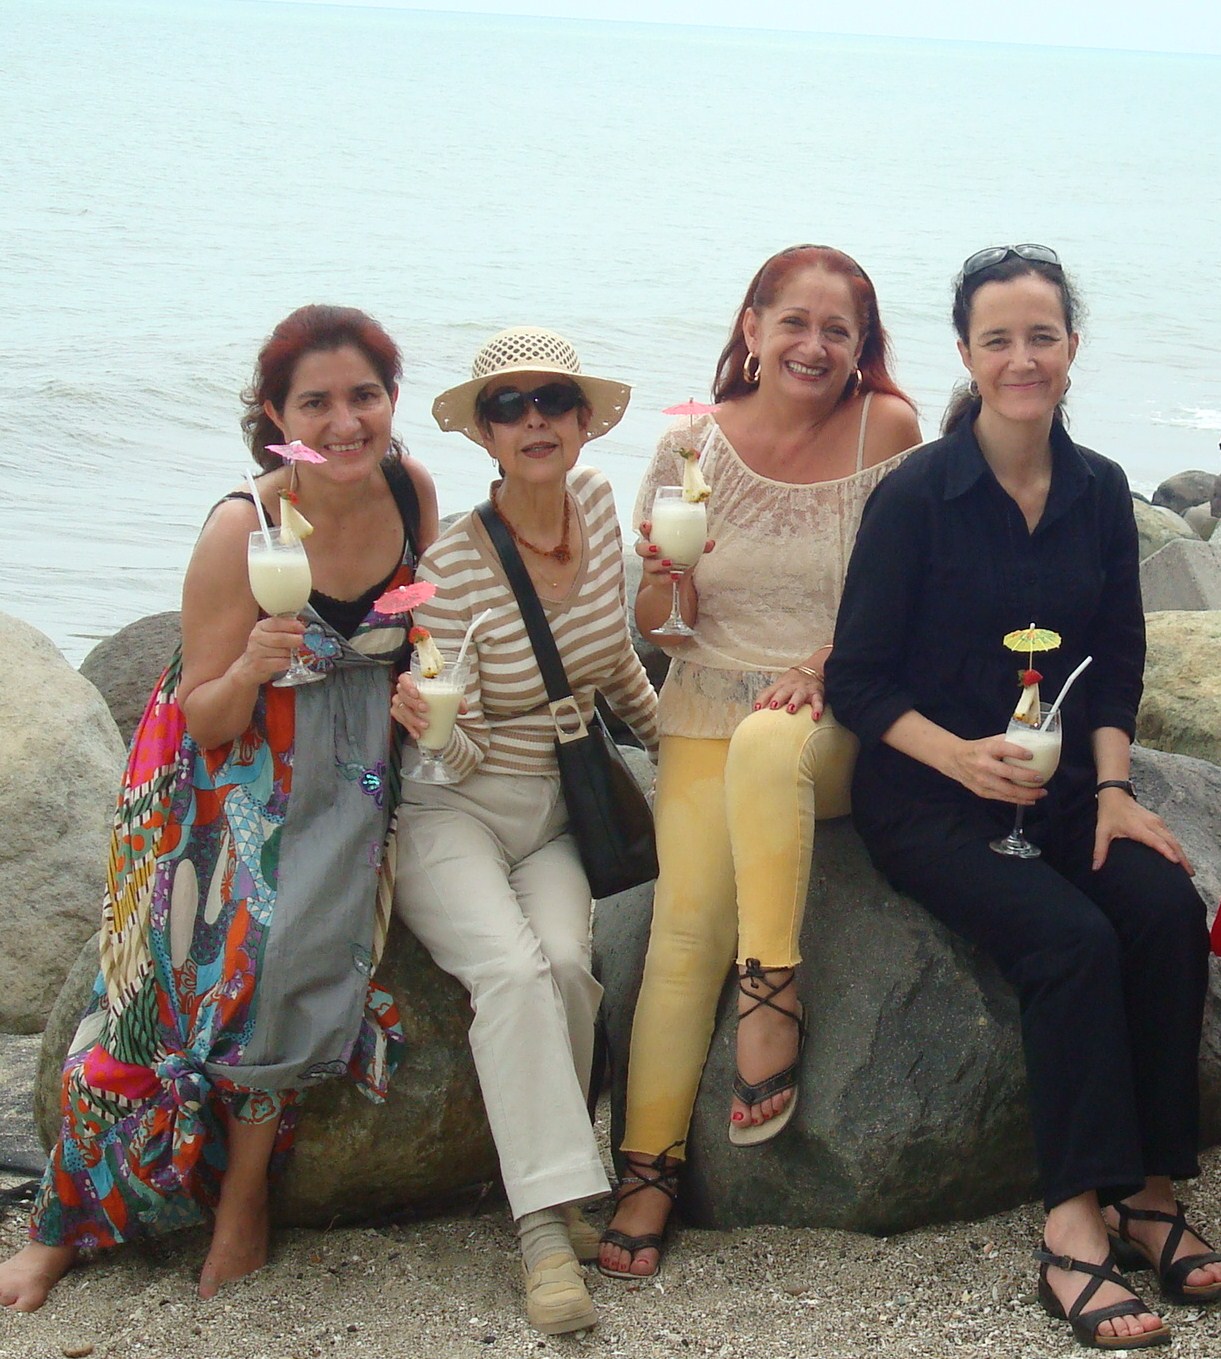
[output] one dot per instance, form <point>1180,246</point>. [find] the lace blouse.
<point>769,590</point>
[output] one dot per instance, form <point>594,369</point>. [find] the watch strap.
<point>1125,784</point>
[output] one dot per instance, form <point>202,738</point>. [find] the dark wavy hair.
<point>309,330</point>
<point>964,405</point>
<point>764,288</point>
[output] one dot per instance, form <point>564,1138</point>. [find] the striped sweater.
<point>508,725</point>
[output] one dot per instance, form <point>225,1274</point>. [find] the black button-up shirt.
<point>944,566</point>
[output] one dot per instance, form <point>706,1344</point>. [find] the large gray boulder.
<point>428,1145</point>
<point>1157,526</point>
<point>60,761</point>
<point>1182,575</point>
<point>913,1106</point>
<point>1183,489</point>
<point>1181,706</point>
<point>124,667</point>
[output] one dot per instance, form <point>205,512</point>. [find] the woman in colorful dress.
<point>808,421</point>
<point>1003,521</point>
<point>245,907</point>
<point>489,878</point>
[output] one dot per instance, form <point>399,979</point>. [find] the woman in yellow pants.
<point>808,421</point>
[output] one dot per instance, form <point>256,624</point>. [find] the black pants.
<point>1111,970</point>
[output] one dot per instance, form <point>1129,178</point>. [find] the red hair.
<point>874,363</point>
<point>309,330</point>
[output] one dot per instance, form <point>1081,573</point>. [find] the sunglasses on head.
<point>985,259</point>
<point>508,406</point>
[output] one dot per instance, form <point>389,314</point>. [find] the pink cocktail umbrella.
<point>296,452</point>
<point>404,598</point>
<point>691,408</point>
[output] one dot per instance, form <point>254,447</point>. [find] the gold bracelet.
<point>809,670</point>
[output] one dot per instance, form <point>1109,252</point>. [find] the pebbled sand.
<point>452,1287</point>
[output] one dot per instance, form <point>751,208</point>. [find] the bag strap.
<point>569,724</point>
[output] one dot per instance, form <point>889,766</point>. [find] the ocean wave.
<point>1200,418</point>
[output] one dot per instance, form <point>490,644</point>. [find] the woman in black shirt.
<point>1002,521</point>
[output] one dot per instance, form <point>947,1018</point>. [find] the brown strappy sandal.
<point>1085,1324</point>
<point>752,1134</point>
<point>642,1174</point>
<point>1171,1273</point>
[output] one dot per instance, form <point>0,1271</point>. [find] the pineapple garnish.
<point>1030,640</point>
<point>695,488</point>
<point>431,660</point>
<point>293,524</point>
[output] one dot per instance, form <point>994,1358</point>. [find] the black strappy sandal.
<point>752,1134</point>
<point>1171,1273</point>
<point>1085,1324</point>
<point>643,1174</point>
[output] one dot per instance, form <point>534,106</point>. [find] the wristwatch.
<point>1125,784</point>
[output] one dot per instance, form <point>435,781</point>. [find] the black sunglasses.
<point>508,406</point>
<point>985,259</point>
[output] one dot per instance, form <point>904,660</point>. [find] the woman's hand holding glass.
<point>270,648</point>
<point>409,707</point>
<point>982,768</point>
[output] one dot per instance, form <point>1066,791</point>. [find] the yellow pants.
<point>735,831</point>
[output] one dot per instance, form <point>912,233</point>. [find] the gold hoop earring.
<point>1068,383</point>
<point>860,381</point>
<point>973,387</point>
<point>749,375</point>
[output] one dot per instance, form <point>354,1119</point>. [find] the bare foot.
<point>27,1277</point>
<point>239,1241</point>
<point>1150,1237</point>
<point>640,1211</point>
<point>768,1039</point>
<point>1078,1230</point>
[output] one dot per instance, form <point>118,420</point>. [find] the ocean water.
<point>175,177</point>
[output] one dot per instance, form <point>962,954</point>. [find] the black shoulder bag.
<point>607,813</point>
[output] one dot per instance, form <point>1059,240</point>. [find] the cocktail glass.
<point>1043,743</point>
<point>280,581</point>
<point>443,694</point>
<point>680,530</point>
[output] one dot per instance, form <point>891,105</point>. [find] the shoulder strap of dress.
<point>233,495</point>
<point>860,442</point>
<point>402,488</point>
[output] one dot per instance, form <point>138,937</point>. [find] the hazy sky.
<point>1170,26</point>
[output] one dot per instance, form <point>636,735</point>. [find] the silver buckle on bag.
<point>569,724</point>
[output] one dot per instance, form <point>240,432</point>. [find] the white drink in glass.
<point>1043,742</point>
<point>1043,745</point>
<point>443,694</point>
<point>680,529</point>
<point>280,581</point>
<point>443,697</point>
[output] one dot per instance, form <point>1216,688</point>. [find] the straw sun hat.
<point>526,349</point>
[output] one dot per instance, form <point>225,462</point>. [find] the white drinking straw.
<point>1068,684</point>
<point>258,505</point>
<point>466,641</point>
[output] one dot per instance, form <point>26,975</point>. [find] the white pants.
<point>490,883</point>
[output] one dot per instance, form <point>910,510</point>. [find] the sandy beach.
<point>452,1286</point>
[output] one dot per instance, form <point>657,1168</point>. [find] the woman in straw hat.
<point>809,421</point>
<point>488,876</point>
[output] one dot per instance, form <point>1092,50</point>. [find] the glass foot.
<point>1015,845</point>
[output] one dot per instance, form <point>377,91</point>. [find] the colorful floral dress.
<point>247,900</point>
